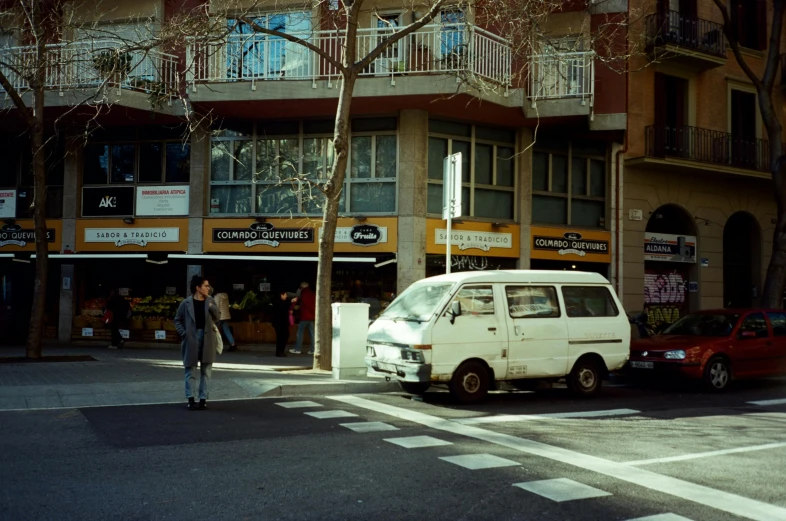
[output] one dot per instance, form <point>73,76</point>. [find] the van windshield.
<point>418,303</point>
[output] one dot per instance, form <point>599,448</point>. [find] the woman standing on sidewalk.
<point>194,322</point>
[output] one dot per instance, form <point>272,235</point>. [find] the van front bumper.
<point>407,372</point>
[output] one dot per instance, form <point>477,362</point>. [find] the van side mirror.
<point>455,310</point>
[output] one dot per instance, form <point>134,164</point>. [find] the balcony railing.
<point>707,146</point>
<point>556,75</point>
<point>92,63</point>
<point>673,27</point>
<point>434,49</point>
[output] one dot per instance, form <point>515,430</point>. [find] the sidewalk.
<point>137,376</point>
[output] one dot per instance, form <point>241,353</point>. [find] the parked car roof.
<point>523,276</point>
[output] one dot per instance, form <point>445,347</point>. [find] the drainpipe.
<point>623,150</point>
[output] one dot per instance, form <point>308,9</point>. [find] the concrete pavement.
<point>135,376</point>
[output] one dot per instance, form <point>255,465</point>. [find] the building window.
<point>276,169</point>
<point>16,173</point>
<point>569,183</point>
<point>487,169</point>
<point>749,23</point>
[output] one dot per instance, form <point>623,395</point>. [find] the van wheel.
<point>470,383</point>
<point>414,387</point>
<point>585,378</point>
<point>717,374</point>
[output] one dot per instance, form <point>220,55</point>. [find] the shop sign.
<point>468,239</point>
<point>262,234</point>
<point>361,234</point>
<point>669,248</point>
<point>7,204</point>
<point>162,201</point>
<point>137,236</point>
<point>15,235</point>
<point>571,243</point>
<point>107,201</point>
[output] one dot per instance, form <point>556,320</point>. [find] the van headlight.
<point>370,351</point>
<point>677,354</point>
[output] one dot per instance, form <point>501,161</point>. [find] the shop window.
<point>569,184</point>
<point>487,169</point>
<point>16,173</point>
<point>139,162</point>
<point>532,302</point>
<point>589,301</point>
<point>288,169</point>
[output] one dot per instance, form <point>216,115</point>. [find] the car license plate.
<point>642,365</point>
<point>386,367</point>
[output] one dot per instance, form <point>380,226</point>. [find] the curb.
<point>336,388</point>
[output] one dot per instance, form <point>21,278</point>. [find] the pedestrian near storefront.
<point>194,321</point>
<point>282,313</point>
<point>307,300</point>
<point>222,301</point>
<point>116,316</point>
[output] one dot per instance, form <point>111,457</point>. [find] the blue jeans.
<point>224,326</point>
<point>205,370</point>
<point>300,328</point>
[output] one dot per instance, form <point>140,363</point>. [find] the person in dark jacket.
<point>119,308</point>
<point>282,311</point>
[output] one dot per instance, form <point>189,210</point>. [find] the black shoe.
<point>233,347</point>
<point>281,354</point>
<point>191,405</point>
<point>202,405</point>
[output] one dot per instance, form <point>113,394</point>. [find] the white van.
<point>470,330</point>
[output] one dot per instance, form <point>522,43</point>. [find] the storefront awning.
<point>199,257</point>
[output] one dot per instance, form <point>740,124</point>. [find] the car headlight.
<point>678,354</point>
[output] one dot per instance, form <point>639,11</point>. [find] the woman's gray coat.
<point>185,323</point>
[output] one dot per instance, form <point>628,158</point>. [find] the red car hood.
<point>669,342</point>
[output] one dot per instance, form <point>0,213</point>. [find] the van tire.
<point>470,383</point>
<point>414,387</point>
<point>585,379</point>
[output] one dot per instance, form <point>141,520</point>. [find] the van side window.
<point>476,300</point>
<point>778,321</point>
<point>532,302</point>
<point>589,301</point>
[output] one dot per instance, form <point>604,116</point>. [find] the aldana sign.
<point>361,234</point>
<point>162,201</point>
<point>470,239</point>
<point>571,243</point>
<point>15,235</point>
<point>136,236</point>
<point>264,234</point>
<point>7,204</point>
<point>669,248</point>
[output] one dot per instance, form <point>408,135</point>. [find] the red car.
<point>716,346</point>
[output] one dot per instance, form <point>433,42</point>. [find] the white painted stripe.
<point>322,415</point>
<point>418,442</point>
<point>298,405</point>
<point>662,517</point>
<point>504,418</point>
<point>561,489</point>
<point>479,461</point>
<point>769,402</point>
<point>707,454</point>
<point>369,426</point>
<point>720,500</point>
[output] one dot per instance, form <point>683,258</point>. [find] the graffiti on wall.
<point>665,296</point>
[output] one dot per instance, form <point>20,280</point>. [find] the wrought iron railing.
<point>92,63</point>
<point>434,49</point>
<point>673,27</point>
<point>555,75</point>
<point>707,146</point>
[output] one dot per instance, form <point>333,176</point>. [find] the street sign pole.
<point>451,197</point>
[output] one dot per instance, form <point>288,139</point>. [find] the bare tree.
<point>764,83</point>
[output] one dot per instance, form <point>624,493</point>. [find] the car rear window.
<point>589,301</point>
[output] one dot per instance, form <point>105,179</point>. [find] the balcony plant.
<point>112,64</point>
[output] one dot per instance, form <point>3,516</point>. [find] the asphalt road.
<point>657,453</point>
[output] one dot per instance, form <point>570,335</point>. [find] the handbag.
<point>108,316</point>
<point>219,341</point>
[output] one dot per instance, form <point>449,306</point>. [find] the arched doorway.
<point>669,265</point>
<point>741,261</point>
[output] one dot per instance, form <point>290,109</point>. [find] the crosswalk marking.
<point>707,454</point>
<point>298,405</point>
<point>369,426</point>
<point>479,461</point>
<point>769,402</point>
<point>662,517</point>
<point>418,442</point>
<point>503,418</point>
<point>561,489</point>
<point>330,414</point>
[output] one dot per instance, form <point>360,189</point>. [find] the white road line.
<point>661,517</point>
<point>504,418</point>
<point>769,402</point>
<point>418,442</point>
<point>725,501</point>
<point>707,454</point>
<point>323,415</point>
<point>561,489</point>
<point>479,461</point>
<point>369,426</point>
<point>298,405</point>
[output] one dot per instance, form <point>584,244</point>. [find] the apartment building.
<point>139,207</point>
<point>698,208</point>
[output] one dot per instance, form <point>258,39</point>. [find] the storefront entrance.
<point>741,261</point>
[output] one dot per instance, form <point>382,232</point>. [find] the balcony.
<point>561,84</point>
<point>462,50</point>
<point>697,43</point>
<point>692,148</point>
<point>93,64</point>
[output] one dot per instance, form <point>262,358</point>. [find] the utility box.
<point>350,330</point>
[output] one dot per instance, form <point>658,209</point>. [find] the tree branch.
<point>735,45</point>
<point>17,99</point>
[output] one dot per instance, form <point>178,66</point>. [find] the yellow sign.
<point>571,244</point>
<point>143,235</point>
<point>374,235</point>
<point>473,238</point>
